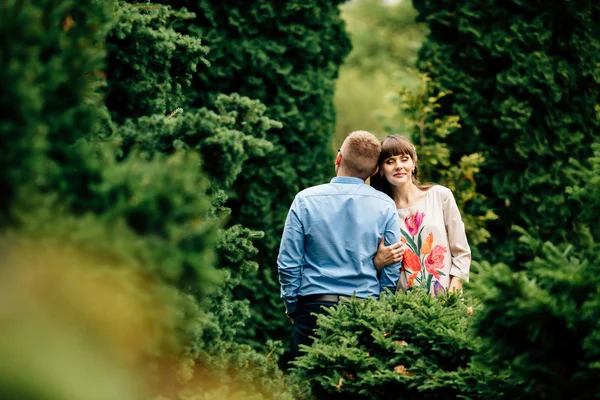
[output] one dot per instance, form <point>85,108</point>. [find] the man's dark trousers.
<point>305,324</point>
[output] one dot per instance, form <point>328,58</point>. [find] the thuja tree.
<point>524,80</point>
<point>150,116</point>
<point>540,326</point>
<point>287,55</point>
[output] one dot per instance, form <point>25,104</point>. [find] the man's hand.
<point>387,255</point>
<point>292,320</point>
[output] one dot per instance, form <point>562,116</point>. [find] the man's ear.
<point>376,171</point>
<point>338,158</point>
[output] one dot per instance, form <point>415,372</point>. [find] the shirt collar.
<point>347,180</point>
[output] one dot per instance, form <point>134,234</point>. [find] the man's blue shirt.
<point>330,239</point>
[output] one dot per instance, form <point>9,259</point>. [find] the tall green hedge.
<point>540,326</point>
<point>286,55</point>
<point>133,185</point>
<point>525,81</point>
<point>152,59</point>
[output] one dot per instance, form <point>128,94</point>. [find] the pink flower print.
<point>413,222</point>
<point>435,260</point>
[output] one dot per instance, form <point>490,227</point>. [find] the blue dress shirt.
<point>330,238</point>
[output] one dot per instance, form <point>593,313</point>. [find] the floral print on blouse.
<point>436,246</point>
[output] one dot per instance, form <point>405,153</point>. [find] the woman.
<point>436,252</point>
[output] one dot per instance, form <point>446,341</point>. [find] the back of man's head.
<point>360,153</point>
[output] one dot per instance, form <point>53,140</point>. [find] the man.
<point>331,236</point>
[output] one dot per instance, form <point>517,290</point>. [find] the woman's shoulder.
<point>441,192</point>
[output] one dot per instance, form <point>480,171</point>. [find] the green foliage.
<point>409,345</point>
<point>540,326</point>
<point>258,376</point>
<point>525,83</point>
<point>586,194</point>
<point>150,63</point>
<point>227,138</point>
<point>122,186</point>
<point>155,207</point>
<point>286,55</point>
<point>385,41</point>
<point>50,57</point>
<point>228,131</point>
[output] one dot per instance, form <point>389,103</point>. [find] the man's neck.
<point>342,173</point>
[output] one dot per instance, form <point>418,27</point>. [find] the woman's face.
<point>398,169</point>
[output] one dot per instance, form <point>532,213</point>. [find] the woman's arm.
<point>456,284</point>
<point>460,251</point>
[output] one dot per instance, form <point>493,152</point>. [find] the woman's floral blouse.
<point>436,246</point>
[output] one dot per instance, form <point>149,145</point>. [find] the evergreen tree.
<point>66,196</point>
<point>49,71</point>
<point>124,186</point>
<point>540,326</point>
<point>524,80</point>
<point>286,55</point>
<point>227,133</point>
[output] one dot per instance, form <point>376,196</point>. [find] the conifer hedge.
<point>540,325</point>
<point>131,185</point>
<point>525,82</point>
<point>287,56</point>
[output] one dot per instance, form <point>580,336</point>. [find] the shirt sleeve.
<point>291,257</point>
<point>390,274</point>
<point>457,239</point>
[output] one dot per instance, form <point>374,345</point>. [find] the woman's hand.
<point>456,284</point>
<point>387,255</point>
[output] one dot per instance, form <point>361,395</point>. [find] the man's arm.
<point>391,274</point>
<point>291,257</point>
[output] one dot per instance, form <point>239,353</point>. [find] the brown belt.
<point>327,298</point>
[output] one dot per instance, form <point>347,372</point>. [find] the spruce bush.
<point>404,346</point>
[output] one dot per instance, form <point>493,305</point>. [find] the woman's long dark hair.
<point>391,146</point>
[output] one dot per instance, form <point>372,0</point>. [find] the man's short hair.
<point>360,153</point>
